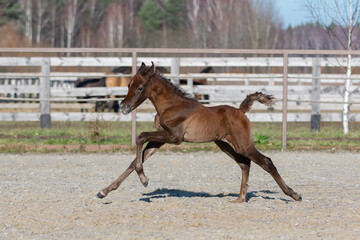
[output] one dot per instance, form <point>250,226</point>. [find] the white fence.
<point>223,88</point>
<point>293,90</point>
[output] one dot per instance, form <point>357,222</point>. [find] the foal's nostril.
<point>125,108</point>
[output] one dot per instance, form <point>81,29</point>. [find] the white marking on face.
<point>131,82</point>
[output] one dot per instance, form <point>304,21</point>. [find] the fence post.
<point>133,113</point>
<point>285,93</point>
<point>175,69</point>
<point>190,84</point>
<point>45,118</point>
<point>315,96</point>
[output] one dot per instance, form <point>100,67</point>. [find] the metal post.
<point>190,84</point>
<point>45,119</point>
<point>315,96</point>
<point>133,113</point>
<point>175,69</point>
<point>285,93</point>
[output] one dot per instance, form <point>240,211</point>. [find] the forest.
<point>245,24</point>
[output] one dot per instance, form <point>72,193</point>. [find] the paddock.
<point>52,196</point>
<point>282,80</point>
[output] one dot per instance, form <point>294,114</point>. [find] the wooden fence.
<point>294,90</point>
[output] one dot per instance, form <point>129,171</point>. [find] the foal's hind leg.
<point>243,144</point>
<point>149,150</point>
<point>268,166</point>
<point>244,164</point>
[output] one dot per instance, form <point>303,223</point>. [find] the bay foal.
<point>182,118</point>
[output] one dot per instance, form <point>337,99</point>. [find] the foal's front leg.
<point>162,136</point>
<point>149,150</point>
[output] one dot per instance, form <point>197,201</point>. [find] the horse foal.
<point>181,118</point>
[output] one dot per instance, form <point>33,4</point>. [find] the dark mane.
<point>176,88</point>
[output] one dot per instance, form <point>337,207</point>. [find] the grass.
<point>17,136</point>
<point>300,138</point>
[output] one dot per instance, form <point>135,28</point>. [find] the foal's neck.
<point>164,96</point>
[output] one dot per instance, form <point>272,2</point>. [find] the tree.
<point>344,14</point>
<point>151,16</point>
<point>26,5</point>
<point>70,20</point>
<point>9,11</point>
<point>163,16</point>
<point>263,24</point>
<point>41,8</point>
<point>174,13</point>
<point>53,9</point>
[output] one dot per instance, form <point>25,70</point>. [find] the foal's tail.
<point>257,96</point>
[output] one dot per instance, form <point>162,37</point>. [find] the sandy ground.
<point>52,196</point>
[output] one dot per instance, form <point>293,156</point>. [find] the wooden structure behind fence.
<point>296,91</point>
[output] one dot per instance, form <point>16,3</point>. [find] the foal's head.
<point>137,89</point>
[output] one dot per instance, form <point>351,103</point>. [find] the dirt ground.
<point>52,196</point>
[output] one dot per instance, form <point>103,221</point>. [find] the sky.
<point>292,13</point>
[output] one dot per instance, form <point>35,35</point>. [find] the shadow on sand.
<point>165,193</point>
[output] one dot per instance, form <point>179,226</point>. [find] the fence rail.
<point>281,85</point>
<point>183,61</point>
<point>248,78</point>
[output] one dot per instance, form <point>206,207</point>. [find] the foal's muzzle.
<point>125,108</point>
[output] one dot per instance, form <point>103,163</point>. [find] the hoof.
<point>145,183</point>
<point>238,201</point>
<point>100,195</point>
<point>297,197</point>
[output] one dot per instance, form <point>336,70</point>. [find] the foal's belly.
<point>208,124</point>
<point>203,132</point>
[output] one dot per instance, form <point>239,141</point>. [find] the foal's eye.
<point>140,88</point>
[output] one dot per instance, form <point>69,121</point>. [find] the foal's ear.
<point>142,67</point>
<point>150,71</point>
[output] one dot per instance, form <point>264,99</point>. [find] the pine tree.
<point>9,11</point>
<point>151,16</point>
<point>175,13</point>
